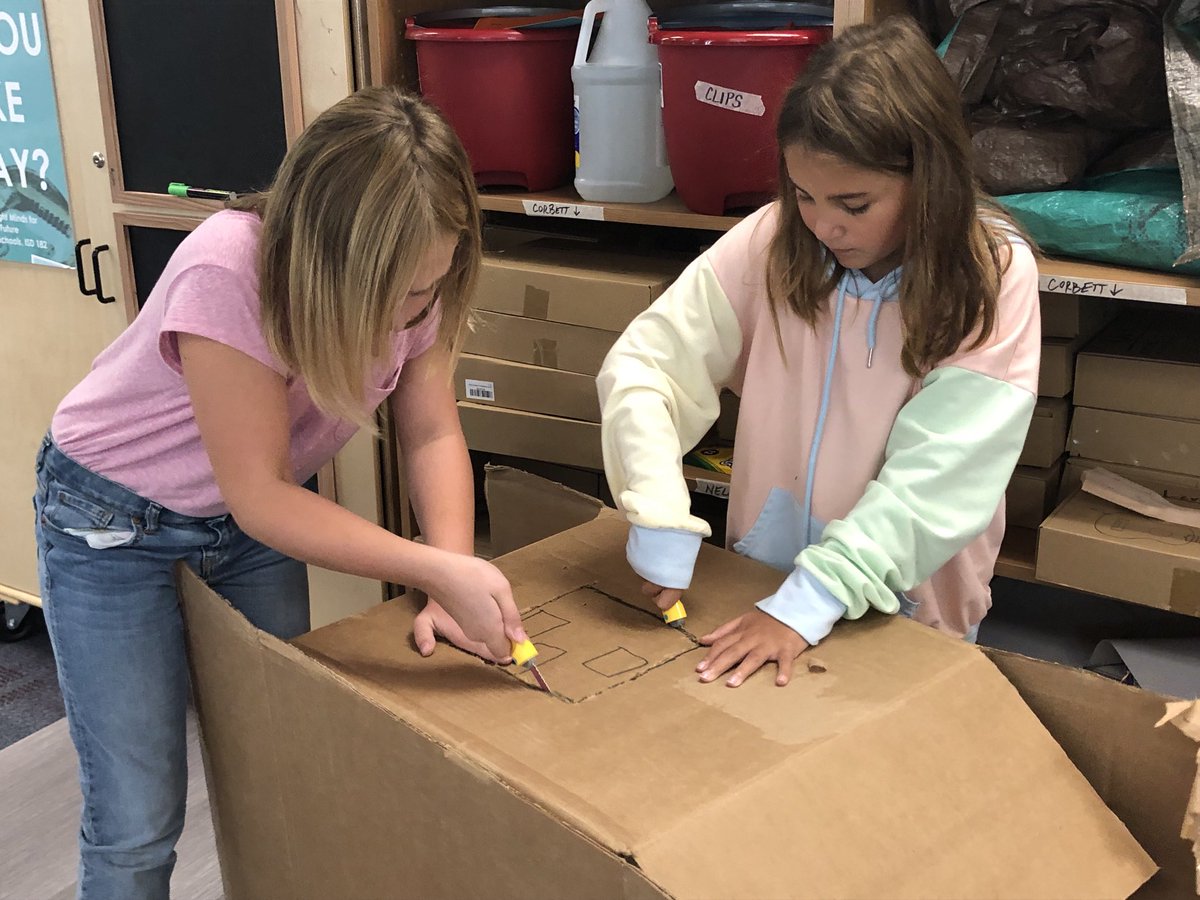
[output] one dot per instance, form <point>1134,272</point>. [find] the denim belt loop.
<point>152,513</point>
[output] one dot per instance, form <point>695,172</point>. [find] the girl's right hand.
<point>479,598</point>
<point>664,598</point>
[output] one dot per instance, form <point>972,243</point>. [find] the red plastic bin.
<point>721,96</point>
<point>506,92</point>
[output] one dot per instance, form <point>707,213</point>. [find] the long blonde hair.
<point>879,98</point>
<point>357,202</point>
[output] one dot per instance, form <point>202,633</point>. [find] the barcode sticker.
<point>481,390</point>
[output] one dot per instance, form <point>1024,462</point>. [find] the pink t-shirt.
<point>131,418</point>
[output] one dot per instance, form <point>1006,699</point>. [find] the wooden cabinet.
<point>148,93</point>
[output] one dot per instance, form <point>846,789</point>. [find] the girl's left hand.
<point>748,642</point>
<point>433,622</point>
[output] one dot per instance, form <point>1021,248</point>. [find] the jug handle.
<point>584,43</point>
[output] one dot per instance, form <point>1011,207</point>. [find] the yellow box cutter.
<point>524,654</point>
<point>675,615</point>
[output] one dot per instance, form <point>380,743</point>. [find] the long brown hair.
<point>879,98</point>
<point>359,199</point>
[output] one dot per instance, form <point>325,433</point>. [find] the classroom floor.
<point>37,762</point>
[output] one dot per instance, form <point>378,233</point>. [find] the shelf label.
<point>1122,290</point>
<point>728,98</point>
<point>554,210</point>
<point>480,390</point>
<point>711,488</point>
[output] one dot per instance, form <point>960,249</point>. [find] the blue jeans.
<point>105,559</point>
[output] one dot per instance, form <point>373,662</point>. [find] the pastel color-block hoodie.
<point>870,487</point>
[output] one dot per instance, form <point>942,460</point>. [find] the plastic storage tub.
<point>506,91</point>
<point>723,83</point>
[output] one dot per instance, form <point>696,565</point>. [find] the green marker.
<point>179,189</point>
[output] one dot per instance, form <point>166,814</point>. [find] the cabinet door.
<point>51,332</point>
<point>197,93</point>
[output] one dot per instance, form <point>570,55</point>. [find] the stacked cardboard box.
<point>547,313</point>
<point>1137,391</point>
<point>1067,324</point>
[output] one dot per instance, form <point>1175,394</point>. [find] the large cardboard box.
<point>1047,436</point>
<point>552,345</point>
<point>1092,545</point>
<point>1171,485</point>
<point>1031,494</point>
<point>1056,377</point>
<point>898,763</point>
<point>1069,316</point>
<point>588,286</point>
<point>511,385</point>
<point>1143,364</point>
<point>531,435</point>
<point>1170,445</point>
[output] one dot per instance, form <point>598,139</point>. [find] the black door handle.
<point>99,289</point>
<point>83,289</point>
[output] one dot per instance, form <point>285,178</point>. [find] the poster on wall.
<point>35,216</point>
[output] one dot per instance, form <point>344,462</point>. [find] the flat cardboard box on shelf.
<point>571,348</point>
<point>346,765</point>
<point>1031,494</point>
<point>1169,445</point>
<point>1056,377</point>
<point>513,385</point>
<point>1146,364</point>
<point>531,435</point>
<point>1070,316</point>
<point>559,282</point>
<point>1095,546</point>
<point>1047,436</point>
<point>1171,485</point>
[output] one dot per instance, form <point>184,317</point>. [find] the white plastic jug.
<point>620,151</point>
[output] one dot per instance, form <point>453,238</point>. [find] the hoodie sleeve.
<point>659,395</point>
<point>948,460</point>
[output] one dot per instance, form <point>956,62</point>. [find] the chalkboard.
<point>151,249</point>
<point>198,93</point>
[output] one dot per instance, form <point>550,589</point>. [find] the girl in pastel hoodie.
<point>880,323</point>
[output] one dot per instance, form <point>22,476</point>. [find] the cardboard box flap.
<point>315,786</point>
<point>915,819</point>
<point>881,741</point>
<point>1141,772</point>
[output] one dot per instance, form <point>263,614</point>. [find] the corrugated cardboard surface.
<point>576,286</point>
<point>899,762</point>
<point>537,343</point>
<point>531,388</point>
<point>532,436</point>
<point>1047,436</point>
<point>1092,545</point>
<point>1143,773</point>
<point>1143,364</point>
<point>1170,445</point>
<point>524,509</point>
<point>1069,316</point>
<point>1169,484</point>
<point>1056,377</point>
<point>1031,494</point>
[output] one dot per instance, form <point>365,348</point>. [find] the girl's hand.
<point>433,622</point>
<point>748,642</point>
<point>478,598</point>
<point>664,598</point>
